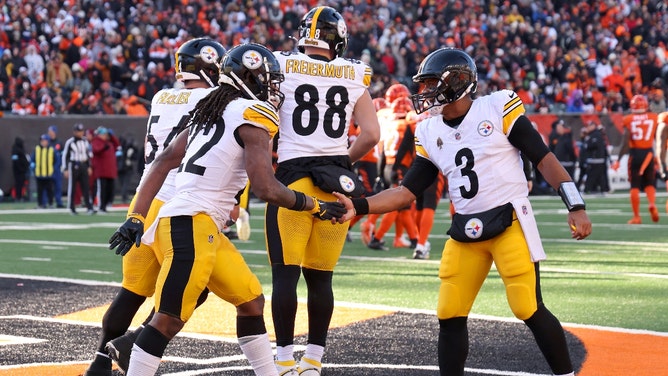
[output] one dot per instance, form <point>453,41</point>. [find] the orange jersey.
<point>642,129</point>
<point>396,130</point>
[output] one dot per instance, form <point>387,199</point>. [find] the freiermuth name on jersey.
<point>320,69</point>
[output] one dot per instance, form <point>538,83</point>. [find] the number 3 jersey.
<point>169,116</point>
<point>484,170</point>
<point>320,96</point>
<point>213,169</point>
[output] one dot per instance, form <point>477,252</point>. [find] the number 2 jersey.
<point>213,169</point>
<point>169,115</point>
<point>476,157</point>
<point>320,98</point>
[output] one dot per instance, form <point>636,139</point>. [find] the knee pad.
<point>522,300</point>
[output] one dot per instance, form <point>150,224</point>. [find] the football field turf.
<point>610,291</point>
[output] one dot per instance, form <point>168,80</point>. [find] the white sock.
<point>142,363</point>
<point>314,352</point>
<point>284,353</point>
<point>257,349</point>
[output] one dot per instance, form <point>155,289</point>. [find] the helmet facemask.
<point>452,85</point>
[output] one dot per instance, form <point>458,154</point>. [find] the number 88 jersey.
<point>320,96</point>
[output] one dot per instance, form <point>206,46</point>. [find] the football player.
<point>323,91</point>
<point>197,68</point>
<point>638,142</point>
<point>661,146</point>
<point>476,144</point>
<point>398,152</point>
<point>235,120</point>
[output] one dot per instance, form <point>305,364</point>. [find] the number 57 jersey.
<point>170,110</point>
<point>320,96</point>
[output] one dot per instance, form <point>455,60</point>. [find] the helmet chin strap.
<point>240,84</point>
<point>224,79</point>
<point>206,78</point>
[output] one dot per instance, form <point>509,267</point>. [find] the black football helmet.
<point>255,71</point>
<point>456,73</point>
<point>324,27</point>
<point>199,59</point>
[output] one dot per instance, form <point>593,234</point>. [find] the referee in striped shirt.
<point>76,167</point>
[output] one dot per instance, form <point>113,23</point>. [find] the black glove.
<point>327,210</point>
<point>128,234</point>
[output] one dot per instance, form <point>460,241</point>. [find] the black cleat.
<point>119,350</point>
<point>377,245</point>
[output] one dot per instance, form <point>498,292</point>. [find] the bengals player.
<point>638,141</point>
<point>399,152</point>
<point>661,146</point>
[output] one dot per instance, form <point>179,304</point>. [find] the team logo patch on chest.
<point>473,228</point>
<point>485,128</point>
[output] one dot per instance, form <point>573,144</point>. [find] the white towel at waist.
<point>527,221</point>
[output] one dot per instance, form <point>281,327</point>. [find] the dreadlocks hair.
<point>210,108</point>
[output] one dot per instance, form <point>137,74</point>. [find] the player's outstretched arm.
<point>267,188</point>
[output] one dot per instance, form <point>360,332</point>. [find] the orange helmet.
<point>396,91</point>
<point>639,103</point>
<point>401,106</point>
<point>380,103</point>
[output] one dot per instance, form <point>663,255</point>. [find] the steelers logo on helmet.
<point>347,184</point>
<point>485,128</point>
<point>342,28</point>
<point>473,228</point>
<point>252,59</point>
<point>208,55</point>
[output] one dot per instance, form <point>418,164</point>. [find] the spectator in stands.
<point>542,43</point>
<point>58,74</point>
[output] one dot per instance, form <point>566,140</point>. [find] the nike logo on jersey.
<point>511,94</point>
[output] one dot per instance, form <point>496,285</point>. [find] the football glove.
<point>326,210</point>
<point>128,234</point>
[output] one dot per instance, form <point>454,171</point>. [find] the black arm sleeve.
<point>420,175</point>
<point>524,137</point>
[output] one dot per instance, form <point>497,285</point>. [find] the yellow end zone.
<point>215,318</point>
<point>218,318</point>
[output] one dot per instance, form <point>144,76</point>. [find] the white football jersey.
<point>169,115</point>
<point>213,169</point>
<point>476,157</point>
<point>319,100</point>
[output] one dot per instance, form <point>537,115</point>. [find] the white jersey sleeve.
<point>484,170</point>
<point>213,169</point>
<point>320,97</point>
<point>168,117</point>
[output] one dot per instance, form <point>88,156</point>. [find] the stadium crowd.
<point>96,57</point>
